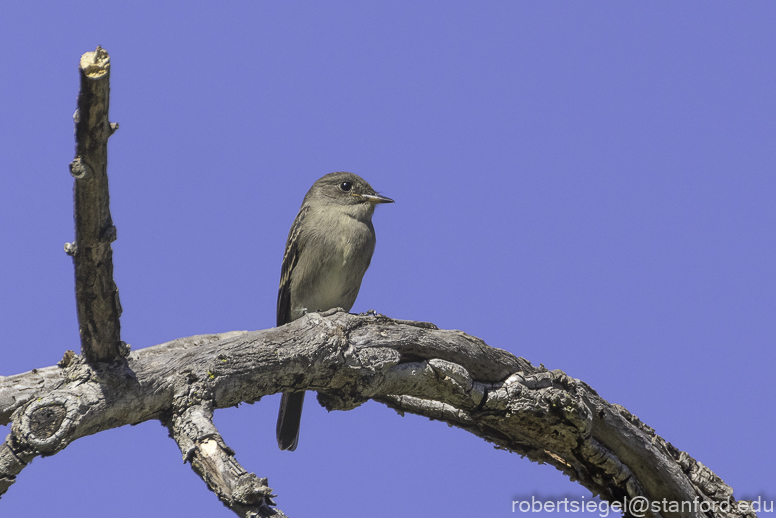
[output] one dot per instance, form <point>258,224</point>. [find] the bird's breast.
<point>331,276</point>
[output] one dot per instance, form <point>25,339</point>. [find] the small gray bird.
<point>327,253</point>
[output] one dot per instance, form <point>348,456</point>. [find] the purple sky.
<point>589,185</point>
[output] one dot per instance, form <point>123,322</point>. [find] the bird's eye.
<point>346,186</point>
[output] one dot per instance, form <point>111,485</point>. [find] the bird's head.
<point>347,190</point>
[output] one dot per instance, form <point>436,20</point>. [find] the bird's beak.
<point>374,199</point>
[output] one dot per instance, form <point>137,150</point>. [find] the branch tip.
<point>95,64</point>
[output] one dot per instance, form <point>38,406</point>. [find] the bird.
<point>328,250</point>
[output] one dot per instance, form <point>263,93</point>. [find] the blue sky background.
<point>589,185</point>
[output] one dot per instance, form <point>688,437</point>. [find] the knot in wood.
<point>79,169</point>
<point>46,424</point>
<point>45,421</point>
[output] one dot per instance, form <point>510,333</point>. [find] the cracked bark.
<point>445,375</point>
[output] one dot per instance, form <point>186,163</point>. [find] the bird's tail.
<point>289,416</point>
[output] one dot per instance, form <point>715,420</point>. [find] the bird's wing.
<point>290,258</point>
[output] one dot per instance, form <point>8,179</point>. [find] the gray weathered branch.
<point>97,297</point>
<point>191,425</point>
<point>412,367</point>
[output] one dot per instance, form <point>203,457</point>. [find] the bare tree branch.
<point>546,416</point>
<point>96,294</point>
<point>191,425</point>
<point>414,367</point>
